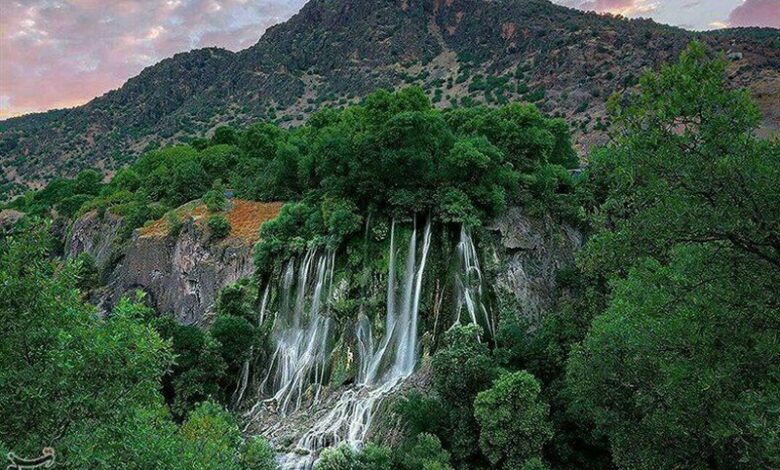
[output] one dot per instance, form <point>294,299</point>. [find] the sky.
<point>62,53</point>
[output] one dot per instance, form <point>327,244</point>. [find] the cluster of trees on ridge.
<point>663,354</point>
<point>393,153</point>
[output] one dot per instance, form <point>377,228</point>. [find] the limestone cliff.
<point>181,271</point>
<point>182,274</point>
<point>529,252</point>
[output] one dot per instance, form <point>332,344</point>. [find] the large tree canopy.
<point>682,368</point>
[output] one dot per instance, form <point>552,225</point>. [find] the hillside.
<point>336,51</point>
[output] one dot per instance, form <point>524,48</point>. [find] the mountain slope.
<point>335,51</point>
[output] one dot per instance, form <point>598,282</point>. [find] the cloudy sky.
<point>62,53</point>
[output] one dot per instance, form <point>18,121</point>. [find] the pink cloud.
<point>607,5</point>
<point>622,7</point>
<point>63,53</point>
<point>756,13</point>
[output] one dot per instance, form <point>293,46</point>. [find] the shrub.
<point>344,457</point>
<point>215,199</point>
<point>257,454</point>
<point>213,437</point>
<point>425,453</point>
<point>219,226</point>
<point>513,420</point>
<point>175,224</point>
<point>236,336</point>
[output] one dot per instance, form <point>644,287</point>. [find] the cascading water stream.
<point>243,381</point>
<point>469,285</point>
<point>298,366</point>
<point>381,371</point>
<point>300,332</point>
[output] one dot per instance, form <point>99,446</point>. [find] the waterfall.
<point>300,332</point>
<point>381,372</point>
<point>243,380</point>
<point>469,285</point>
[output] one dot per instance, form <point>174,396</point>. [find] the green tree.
<point>686,168</point>
<point>215,198</point>
<point>680,370</point>
<point>199,367</point>
<point>344,457</point>
<point>219,226</point>
<point>87,272</point>
<point>66,375</point>
<point>425,453</point>
<point>88,182</point>
<point>461,370</point>
<point>212,438</point>
<point>464,367</point>
<point>225,135</point>
<point>681,367</point>
<point>257,454</point>
<point>236,337</point>
<point>513,420</point>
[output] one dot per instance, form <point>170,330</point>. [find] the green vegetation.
<point>89,387</point>
<point>681,367</point>
<point>662,350</point>
<point>393,154</point>
<point>512,420</point>
<point>373,457</point>
<point>664,353</point>
<point>219,226</point>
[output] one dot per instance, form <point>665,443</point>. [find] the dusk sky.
<point>62,53</point>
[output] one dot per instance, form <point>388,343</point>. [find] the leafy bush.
<point>219,226</point>
<point>425,453</point>
<point>236,336</point>
<point>257,454</point>
<point>213,437</point>
<point>423,414</point>
<point>513,421</point>
<point>372,457</point>
<point>215,199</point>
<point>463,368</point>
<point>199,367</point>
<point>175,224</point>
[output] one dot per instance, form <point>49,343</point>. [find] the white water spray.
<point>469,285</point>
<point>301,333</point>
<point>381,372</point>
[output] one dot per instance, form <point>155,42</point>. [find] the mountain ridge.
<point>333,52</point>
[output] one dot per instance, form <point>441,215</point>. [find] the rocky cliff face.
<point>529,252</point>
<point>94,234</point>
<point>181,273</point>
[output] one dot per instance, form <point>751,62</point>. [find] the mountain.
<point>335,51</point>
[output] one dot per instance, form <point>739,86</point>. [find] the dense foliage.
<point>89,386</point>
<point>681,368</point>
<point>662,351</point>
<point>393,154</point>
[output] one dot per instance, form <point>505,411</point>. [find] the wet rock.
<point>529,252</point>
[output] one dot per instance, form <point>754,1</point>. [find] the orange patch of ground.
<point>245,218</point>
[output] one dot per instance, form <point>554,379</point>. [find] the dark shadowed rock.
<point>530,251</point>
<point>182,275</point>
<point>95,235</point>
